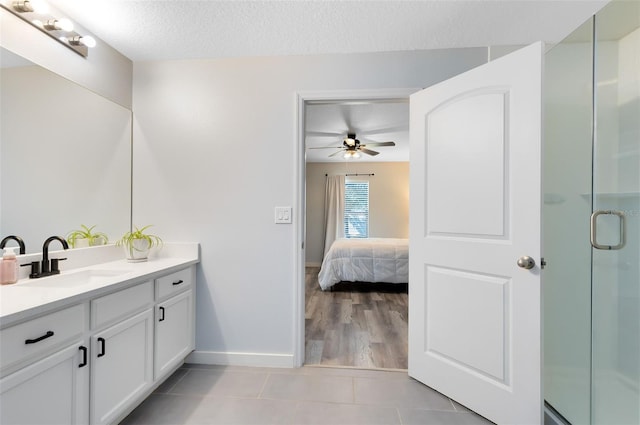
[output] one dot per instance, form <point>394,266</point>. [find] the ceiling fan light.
<point>350,140</point>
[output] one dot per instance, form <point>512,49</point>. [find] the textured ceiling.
<point>190,29</point>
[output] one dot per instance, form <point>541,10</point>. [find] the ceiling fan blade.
<point>346,112</point>
<point>379,144</point>
<point>327,147</point>
<point>335,153</point>
<point>368,151</point>
<point>383,130</point>
<point>323,134</point>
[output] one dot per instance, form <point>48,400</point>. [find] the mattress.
<point>365,260</point>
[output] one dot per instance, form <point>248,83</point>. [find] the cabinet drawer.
<point>107,309</point>
<point>39,336</point>
<point>174,282</point>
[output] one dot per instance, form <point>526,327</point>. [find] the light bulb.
<point>59,24</point>
<point>88,41</point>
<point>39,6</point>
<point>38,23</point>
<point>64,24</point>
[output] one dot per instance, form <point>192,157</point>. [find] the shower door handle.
<point>594,229</point>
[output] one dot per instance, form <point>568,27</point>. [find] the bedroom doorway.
<point>352,325</point>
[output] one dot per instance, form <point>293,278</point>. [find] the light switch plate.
<point>283,215</point>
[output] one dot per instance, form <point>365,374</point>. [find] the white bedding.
<point>365,260</point>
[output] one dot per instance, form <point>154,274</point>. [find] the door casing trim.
<point>299,213</point>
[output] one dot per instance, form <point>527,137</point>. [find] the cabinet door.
<point>173,332</point>
<point>54,390</point>
<point>121,366</point>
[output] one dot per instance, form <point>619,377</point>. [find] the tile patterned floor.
<point>199,394</point>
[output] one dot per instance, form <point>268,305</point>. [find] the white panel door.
<point>474,314</point>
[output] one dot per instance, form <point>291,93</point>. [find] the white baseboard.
<point>312,264</point>
<point>241,359</point>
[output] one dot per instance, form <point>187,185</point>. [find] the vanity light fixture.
<point>38,6</point>
<point>41,16</point>
<point>59,24</point>
<point>85,40</point>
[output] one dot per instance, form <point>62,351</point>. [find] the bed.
<point>365,260</point>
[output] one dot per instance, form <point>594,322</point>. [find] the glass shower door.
<point>615,222</point>
<point>568,113</point>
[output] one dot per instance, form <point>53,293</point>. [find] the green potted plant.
<point>85,236</point>
<point>137,244</point>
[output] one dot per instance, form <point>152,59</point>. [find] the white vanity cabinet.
<point>44,364</point>
<point>54,390</point>
<point>121,368</point>
<point>174,327</point>
<point>95,360</point>
<point>122,356</point>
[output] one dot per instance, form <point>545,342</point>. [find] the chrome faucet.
<point>17,239</point>
<point>47,268</point>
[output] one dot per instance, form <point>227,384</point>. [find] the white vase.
<point>81,243</point>
<point>137,250</point>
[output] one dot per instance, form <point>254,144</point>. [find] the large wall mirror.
<point>65,156</point>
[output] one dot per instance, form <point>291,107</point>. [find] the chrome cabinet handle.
<point>594,229</point>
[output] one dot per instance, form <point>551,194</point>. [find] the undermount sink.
<point>79,278</point>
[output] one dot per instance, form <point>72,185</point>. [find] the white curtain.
<point>333,211</point>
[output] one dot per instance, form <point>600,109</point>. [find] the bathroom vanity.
<point>90,344</point>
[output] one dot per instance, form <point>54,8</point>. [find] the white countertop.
<point>31,297</point>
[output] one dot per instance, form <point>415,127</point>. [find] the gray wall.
<point>388,201</point>
<point>213,143</point>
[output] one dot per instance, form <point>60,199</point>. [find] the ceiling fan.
<point>351,147</point>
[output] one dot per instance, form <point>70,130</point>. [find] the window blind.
<point>356,209</point>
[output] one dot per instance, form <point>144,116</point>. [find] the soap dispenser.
<point>8,267</point>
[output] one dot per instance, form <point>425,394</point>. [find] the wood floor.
<point>356,325</point>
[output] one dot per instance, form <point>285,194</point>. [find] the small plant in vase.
<point>85,236</point>
<point>137,244</point>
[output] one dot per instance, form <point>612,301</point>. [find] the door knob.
<point>526,262</point>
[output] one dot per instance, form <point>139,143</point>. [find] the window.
<point>356,209</point>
